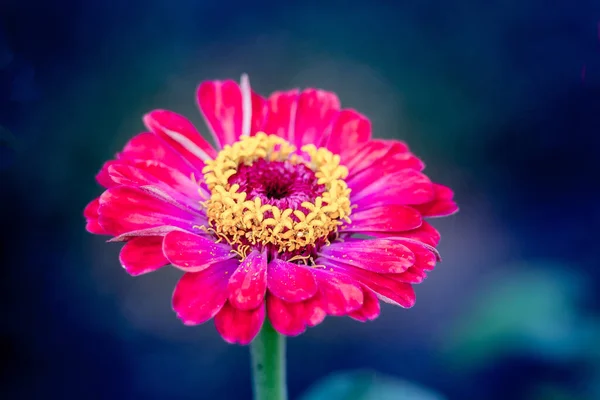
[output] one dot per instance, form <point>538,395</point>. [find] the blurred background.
<point>500,98</point>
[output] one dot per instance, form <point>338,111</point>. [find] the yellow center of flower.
<point>244,221</point>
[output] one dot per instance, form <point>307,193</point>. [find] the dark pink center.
<point>278,183</point>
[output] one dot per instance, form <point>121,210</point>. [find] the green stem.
<point>267,351</point>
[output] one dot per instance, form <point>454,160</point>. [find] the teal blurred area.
<point>501,99</point>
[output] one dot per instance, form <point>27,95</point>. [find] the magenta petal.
<point>314,310</point>
<point>404,187</point>
<point>259,113</point>
<point>396,158</point>
<point>387,289</point>
<point>377,255</point>
<point>341,294</point>
<point>425,233</point>
<point>221,105</point>
<point>402,294</point>
<point>239,326</point>
<point>426,255</point>
<point>103,177</point>
<point>316,109</point>
<point>412,275</point>
<point>442,205</point>
<point>91,216</point>
<point>193,253</point>
<point>281,115</point>
<point>370,308</point>
<point>158,231</point>
<point>292,318</point>
<point>366,154</point>
<point>171,177</point>
<point>290,282</point>
<point>404,161</point>
<point>180,134</point>
<point>248,284</point>
<point>349,130</point>
<point>142,177</point>
<point>199,296</point>
<point>148,146</point>
<point>287,318</point>
<point>398,293</point>
<point>142,255</point>
<point>392,218</point>
<point>123,209</point>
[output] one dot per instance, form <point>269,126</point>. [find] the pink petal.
<point>426,234</point>
<point>221,106</point>
<point>193,253</point>
<point>413,275</point>
<point>259,113</point>
<point>314,310</point>
<point>157,231</point>
<point>287,318</point>
<point>370,308</point>
<point>291,282</point>
<point>124,209</point>
<point>367,154</point>
<point>425,259</point>
<point>181,135</point>
<point>377,255</point>
<point>341,294</point>
<point>387,289</point>
<point>442,205</point>
<point>239,326</point>
<point>173,178</point>
<point>291,319</point>
<point>349,130</point>
<point>392,218</point>
<point>132,175</point>
<point>405,160</point>
<point>91,216</point>
<point>199,296</point>
<point>316,109</point>
<point>281,115</point>
<point>390,163</point>
<point>403,187</point>
<point>248,284</point>
<point>103,178</point>
<point>426,256</point>
<point>148,146</point>
<point>399,294</point>
<point>142,255</point>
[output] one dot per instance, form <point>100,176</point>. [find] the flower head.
<point>297,214</point>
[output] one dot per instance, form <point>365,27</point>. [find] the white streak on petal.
<point>188,144</point>
<point>246,104</point>
<point>291,134</point>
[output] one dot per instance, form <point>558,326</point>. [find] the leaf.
<point>365,385</point>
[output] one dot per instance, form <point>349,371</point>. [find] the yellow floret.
<point>233,216</point>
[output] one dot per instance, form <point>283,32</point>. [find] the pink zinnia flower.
<point>295,215</point>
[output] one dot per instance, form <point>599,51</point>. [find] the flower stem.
<point>267,351</point>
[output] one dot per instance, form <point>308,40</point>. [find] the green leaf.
<point>365,385</point>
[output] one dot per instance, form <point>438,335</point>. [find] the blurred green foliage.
<point>536,309</point>
<point>365,385</point>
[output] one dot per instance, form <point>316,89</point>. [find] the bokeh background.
<point>501,98</point>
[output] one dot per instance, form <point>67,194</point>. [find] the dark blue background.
<point>500,98</point>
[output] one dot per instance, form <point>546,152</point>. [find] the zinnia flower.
<point>296,214</point>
